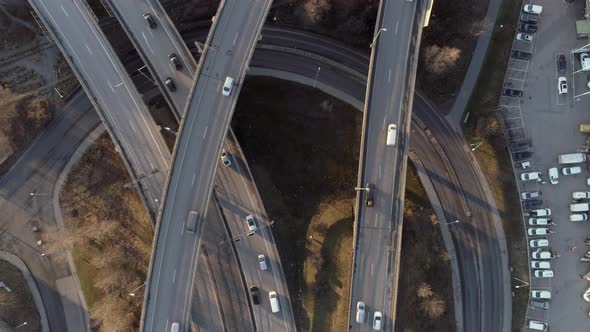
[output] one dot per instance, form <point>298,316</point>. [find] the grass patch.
<point>484,125</point>
<point>86,274</point>
<point>17,306</point>
<point>303,149</point>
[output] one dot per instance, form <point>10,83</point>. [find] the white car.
<point>586,295</point>
<point>530,195</point>
<point>562,85</point>
<point>225,158</point>
<point>571,170</point>
<point>531,176</point>
<point>540,265</point>
<point>532,9</point>
<point>538,231</point>
<point>543,273</point>
<point>581,195</point>
<point>553,175</point>
<point>251,223</point>
<point>540,212</point>
<point>539,221</point>
<point>262,262</point>
<point>524,36</point>
<point>585,60</point>
<point>377,321</point>
<point>540,294</point>
<point>360,312</point>
<point>579,217</point>
<point>540,254</point>
<point>539,243</point>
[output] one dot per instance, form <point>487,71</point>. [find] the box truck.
<point>571,158</point>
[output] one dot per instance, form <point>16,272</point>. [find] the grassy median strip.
<point>484,125</point>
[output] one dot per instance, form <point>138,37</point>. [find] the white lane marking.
<point>371,269</point>
<point>236,38</point>
<point>380,171</point>
<point>118,85</point>
<point>147,43</point>
<point>194,176</point>
<point>174,276</point>
<point>132,126</point>
<point>64,10</point>
<point>389,76</point>
<point>396,26</point>
<point>205,133</point>
<point>111,86</point>
<point>88,48</point>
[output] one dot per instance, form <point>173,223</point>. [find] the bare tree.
<point>314,10</point>
<point>424,290</point>
<point>112,314</point>
<point>434,306</point>
<point>439,60</point>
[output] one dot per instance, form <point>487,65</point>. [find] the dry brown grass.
<point>17,306</point>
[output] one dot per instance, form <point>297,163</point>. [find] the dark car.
<point>527,27</point>
<point>532,204</point>
<point>255,295</point>
<point>518,146</point>
<point>561,64</point>
<point>370,195</point>
<point>175,62</point>
<point>170,84</point>
<point>150,20</point>
<point>513,93</point>
<point>528,18</point>
<point>521,55</point>
<point>540,305</point>
<point>518,156</point>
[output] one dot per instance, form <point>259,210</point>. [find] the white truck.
<point>580,207</point>
<point>571,158</point>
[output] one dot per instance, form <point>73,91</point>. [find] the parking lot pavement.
<point>549,122</point>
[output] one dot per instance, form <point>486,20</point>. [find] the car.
<point>174,61</point>
<point>543,305</point>
<point>528,18</point>
<point>275,305</point>
<point>377,320</point>
<point>540,254</point>
<point>225,158</point>
<point>170,84</point>
<point>519,146</point>
<point>255,295</point>
<point>532,9</point>
<point>531,176</point>
<point>539,221</point>
<point>518,156</point>
<point>539,243</point>
<point>391,134</point>
<point>571,170</point>
<point>370,195</point>
<point>262,262</point>
<point>524,37</point>
<point>561,63</point>
<point>581,195</point>
<point>521,55</point>
<point>553,175</point>
<point>585,61</point>
<point>586,295</point>
<point>360,312</point>
<point>540,265</point>
<point>540,294</point>
<point>527,27</point>
<point>579,217</point>
<point>532,204</point>
<point>227,85</point>
<point>538,231</point>
<point>251,223</point>
<point>540,212</point>
<point>543,273</point>
<point>513,93</point>
<point>175,327</point>
<point>530,195</point>
<point>537,325</point>
<point>150,20</point>
<point>562,85</point>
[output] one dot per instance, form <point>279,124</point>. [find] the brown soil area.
<point>17,306</point>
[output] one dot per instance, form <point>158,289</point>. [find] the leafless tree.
<point>112,314</point>
<point>439,59</point>
<point>424,290</point>
<point>433,307</point>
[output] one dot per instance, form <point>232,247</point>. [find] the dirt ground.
<point>304,158</point>
<point>110,232</point>
<point>17,306</point>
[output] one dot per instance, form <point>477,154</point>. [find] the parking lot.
<point>547,123</point>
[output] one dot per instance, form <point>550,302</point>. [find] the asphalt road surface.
<point>378,228</point>
<point>156,45</point>
<point>115,97</point>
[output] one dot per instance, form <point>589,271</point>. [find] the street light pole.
<point>21,325</point>
<point>59,94</point>
<point>35,194</point>
<point>168,129</point>
<point>131,293</point>
<point>376,36</point>
<point>519,286</point>
<point>316,77</point>
<point>453,222</point>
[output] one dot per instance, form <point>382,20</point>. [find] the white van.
<point>262,262</point>
<point>274,301</point>
<point>580,207</point>
<point>540,265</point>
<point>571,158</point>
<point>579,217</point>
<point>391,134</point>
<point>360,312</point>
<point>540,294</point>
<point>532,9</point>
<point>175,327</point>
<point>537,325</point>
<point>229,82</point>
<point>540,254</point>
<point>581,195</point>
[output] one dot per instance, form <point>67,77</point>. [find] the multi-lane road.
<point>388,101</point>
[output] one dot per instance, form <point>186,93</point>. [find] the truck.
<point>571,158</point>
<point>191,224</point>
<point>585,128</point>
<point>580,207</point>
